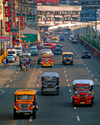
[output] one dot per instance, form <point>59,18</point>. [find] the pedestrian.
<point>23,50</point>
<point>7,61</point>
<point>4,61</point>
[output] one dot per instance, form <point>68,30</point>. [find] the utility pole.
<point>96,22</point>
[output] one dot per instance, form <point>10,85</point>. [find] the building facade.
<point>57,15</point>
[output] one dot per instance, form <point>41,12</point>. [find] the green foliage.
<point>95,44</point>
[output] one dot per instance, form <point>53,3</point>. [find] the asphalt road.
<point>54,109</point>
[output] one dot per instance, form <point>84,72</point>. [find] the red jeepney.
<point>83,93</point>
<point>51,45</point>
<point>47,60</point>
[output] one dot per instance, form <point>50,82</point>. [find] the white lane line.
<point>7,86</point>
<point>65,75</point>
<point>86,67</point>
<point>89,71</point>
<point>75,108</point>
<point>63,68</point>
<point>71,98</point>
<point>96,80</point>
<point>10,80</point>
<point>3,92</point>
<point>30,120</point>
<point>67,80</point>
<point>14,75</point>
<point>17,72</point>
<point>92,75</point>
<point>78,118</point>
<point>64,71</point>
<point>37,85</point>
<point>84,64</point>
<point>70,90</point>
<point>68,84</point>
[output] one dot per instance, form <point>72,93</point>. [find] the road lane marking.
<point>64,71</point>
<point>96,80</point>
<point>65,75</point>
<point>70,90</point>
<point>89,71</point>
<point>86,67</point>
<point>7,86</point>
<point>84,64</point>
<point>3,92</point>
<point>67,80</point>
<point>92,75</point>
<point>63,68</point>
<point>78,118</point>
<point>37,85</point>
<point>74,107</point>
<point>17,72</point>
<point>68,84</point>
<point>10,80</point>
<point>30,120</point>
<point>14,75</point>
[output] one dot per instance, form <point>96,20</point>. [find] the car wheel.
<point>34,113</point>
<point>14,114</point>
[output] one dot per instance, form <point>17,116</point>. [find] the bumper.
<point>82,102</point>
<point>46,65</point>
<point>29,111</point>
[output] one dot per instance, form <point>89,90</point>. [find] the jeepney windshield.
<point>82,86</point>
<point>50,79</point>
<point>82,91</point>
<point>67,55</point>
<point>24,97</point>
<point>46,58</point>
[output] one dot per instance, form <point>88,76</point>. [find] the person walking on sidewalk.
<point>7,61</point>
<point>4,61</point>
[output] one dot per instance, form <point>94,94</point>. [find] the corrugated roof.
<point>29,31</point>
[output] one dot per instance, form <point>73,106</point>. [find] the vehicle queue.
<point>25,99</point>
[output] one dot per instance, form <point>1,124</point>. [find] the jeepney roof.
<point>67,53</point>
<point>23,54</point>
<point>83,81</point>
<point>50,74</point>
<point>25,92</point>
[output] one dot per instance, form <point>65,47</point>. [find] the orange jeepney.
<point>25,102</point>
<point>47,60</point>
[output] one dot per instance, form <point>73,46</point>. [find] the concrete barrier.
<point>93,50</point>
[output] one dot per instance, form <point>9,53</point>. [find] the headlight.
<point>19,105</point>
<point>29,105</point>
<point>78,95</point>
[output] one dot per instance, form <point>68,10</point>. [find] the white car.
<point>46,51</point>
<point>65,33</point>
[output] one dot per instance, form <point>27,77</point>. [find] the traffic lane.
<point>91,64</point>
<point>54,109</point>
<point>22,79</point>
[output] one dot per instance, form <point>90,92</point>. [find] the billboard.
<point>47,1</point>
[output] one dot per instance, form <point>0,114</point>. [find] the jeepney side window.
<point>57,81</point>
<point>42,78</point>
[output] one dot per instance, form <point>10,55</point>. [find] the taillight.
<point>42,83</point>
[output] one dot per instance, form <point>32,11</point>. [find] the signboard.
<point>7,26</point>
<point>98,14</point>
<point>7,11</point>
<point>4,38</point>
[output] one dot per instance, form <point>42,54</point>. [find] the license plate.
<point>49,92</point>
<point>82,102</point>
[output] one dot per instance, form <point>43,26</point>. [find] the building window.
<point>65,19</point>
<point>57,12</point>
<point>48,19</point>
<point>57,19</point>
<point>66,12</point>
<point>48,12</point>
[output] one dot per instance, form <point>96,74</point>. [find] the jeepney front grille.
<point>24,107</point>
<point>82,98</point>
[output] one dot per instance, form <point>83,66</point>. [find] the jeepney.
<point>25,102</point>
<point>67,58</point>
<point>25,56</point>
<point>50,83</point>
<point>47,60</point>
<point>83,93</point>
<point>57,49</point>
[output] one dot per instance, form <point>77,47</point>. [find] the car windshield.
<point>10,56</point>
<point>18,48</point>
<point>86,52</point>
<point>11,52</point>
<point>33,49</point>
<point>24,97</point>
<point>50,79</point>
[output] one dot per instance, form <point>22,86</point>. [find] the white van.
<point>19,49</point>
<point>12,52</point>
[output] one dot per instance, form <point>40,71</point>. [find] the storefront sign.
<point>7,26</point>
<point>4,38</point>
<point>7,11</point>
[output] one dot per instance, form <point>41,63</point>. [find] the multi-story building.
<point>57,15</point>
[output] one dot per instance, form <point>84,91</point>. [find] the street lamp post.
<point>96,22</point>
